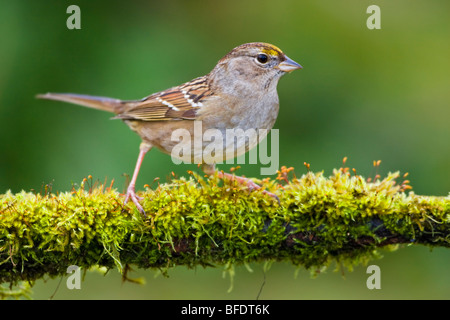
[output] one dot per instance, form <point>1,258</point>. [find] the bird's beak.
<point>289,65</point>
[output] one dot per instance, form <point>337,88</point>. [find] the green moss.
<point>205,221</point>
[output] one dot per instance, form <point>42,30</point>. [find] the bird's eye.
<point>262,58</point>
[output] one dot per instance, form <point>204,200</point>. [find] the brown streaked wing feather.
<point>178,103</point>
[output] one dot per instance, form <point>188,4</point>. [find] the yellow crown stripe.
<point>271,50</point>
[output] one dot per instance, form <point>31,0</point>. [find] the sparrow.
<point>239,93</point>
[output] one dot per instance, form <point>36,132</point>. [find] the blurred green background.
<point>365,94</point>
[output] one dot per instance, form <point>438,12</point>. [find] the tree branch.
<point>208,222</point>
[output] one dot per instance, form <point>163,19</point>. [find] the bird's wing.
<point>177,103</point>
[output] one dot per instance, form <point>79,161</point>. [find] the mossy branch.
<point>208,222</point>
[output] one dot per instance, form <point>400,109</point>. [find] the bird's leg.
<point>210,169</point>
<point>131,193</point>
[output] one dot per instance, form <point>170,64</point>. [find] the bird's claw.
<point>273,195</point>
<point>131,194</point>
<point>253,186</point>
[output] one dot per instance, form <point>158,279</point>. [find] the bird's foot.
<point>249,183</point>
<point>131,194</point>
<point>253,186</point>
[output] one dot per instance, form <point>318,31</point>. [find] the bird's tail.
<point>101,103</point>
